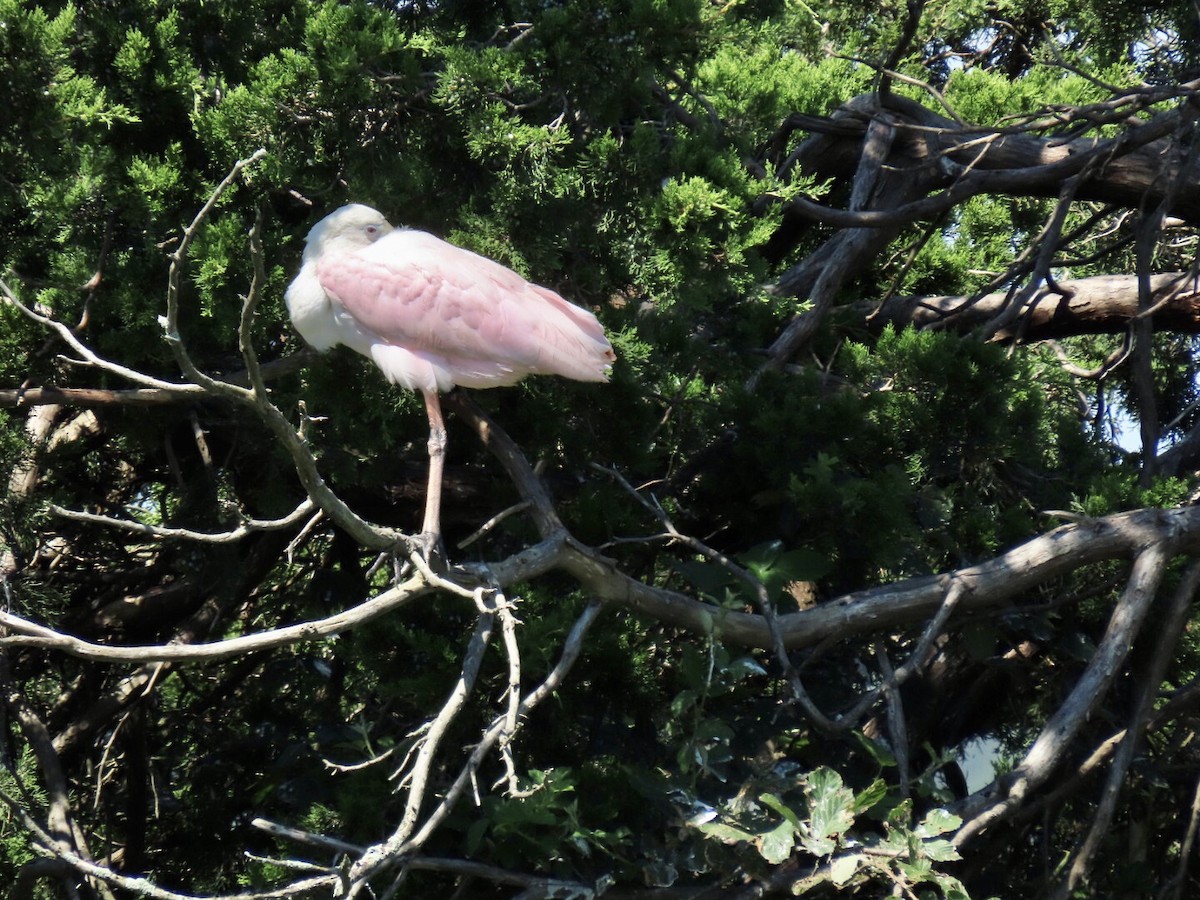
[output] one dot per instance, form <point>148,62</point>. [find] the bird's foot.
<point>433,551</point>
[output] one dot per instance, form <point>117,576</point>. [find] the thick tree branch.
<point>1136,169</point>
<point>986,808</point>
<point>1104,304</point>
<point>927,153</point>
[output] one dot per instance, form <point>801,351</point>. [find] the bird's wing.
<point>419,292</point>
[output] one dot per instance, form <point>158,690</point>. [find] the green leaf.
<point>871,795</point>
<point>831,806</point>
<point>952,888</point>
<point>940,850</point>
<point>707,577</point>
<point>880,753</point>
<point>901,815</point>
<point>937,821</point>
<point>475,834</point>
<point>778,805</point>
<point>776,845</point>
<point>682,702</point>
<point>917,870</point>
<point>842,868</point>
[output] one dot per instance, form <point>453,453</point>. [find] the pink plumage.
<point>431,316</point>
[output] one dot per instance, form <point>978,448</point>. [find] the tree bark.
<point>1139,167</point>
<point>1103,304</point>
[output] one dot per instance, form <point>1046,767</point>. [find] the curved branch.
<point>29,634</point>
<point>987,585</point>
<point>246,528</point>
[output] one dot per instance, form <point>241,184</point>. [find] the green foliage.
<point>18,779</point>
<point>822,825</point>
<point>621,153</point>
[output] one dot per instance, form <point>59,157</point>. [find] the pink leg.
<point>431,529</point>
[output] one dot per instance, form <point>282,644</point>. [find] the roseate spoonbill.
<point>431,316</point>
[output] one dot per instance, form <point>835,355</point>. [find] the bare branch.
<point>417,779</point>
<point>246,528</point>
<point>29,634</point>
<point>1169,630</point>
<point>92,359</point>
<point>143,886</point>
<point>1097,305</point>
<point>98,397</point>
<point>394,849</point>
<point>984,809</point>
<point>178,258</point>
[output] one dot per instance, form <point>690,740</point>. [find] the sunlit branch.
<point>984,809</point>
<point>90,358</point>
<point>24,633</point>
<point>102,397</point>
<point>178,258</point>
<point>250,305</point>
<point>394,849</point>
<point>142,887</point>
<point>246,528</point>
<point>508,631</point>
<point>417,779</point>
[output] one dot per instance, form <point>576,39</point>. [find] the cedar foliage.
<point>632,155</point>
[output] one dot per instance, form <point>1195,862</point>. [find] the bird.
<point>431,315</point>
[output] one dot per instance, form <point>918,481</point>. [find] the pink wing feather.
<point>483,323</point>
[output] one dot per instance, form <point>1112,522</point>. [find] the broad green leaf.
<point>842,869</point>
<point>776,845</point>
<point>869,796</point>
<point>937,821</point>
<point>831,804</point>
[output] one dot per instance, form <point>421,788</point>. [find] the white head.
<point>345,230</point>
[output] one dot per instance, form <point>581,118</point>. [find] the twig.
<point>286,832</point>
<point>171,321</point>
<point>417,780</point>
<point>30,634</point>
<point>250,305</point>
<point>396,847</point>
<point>92,359</point>
<point>247,527</point>
<point>492,523</point>
<point>143,886</point>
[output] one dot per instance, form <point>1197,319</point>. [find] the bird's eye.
<point>372,230</point>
